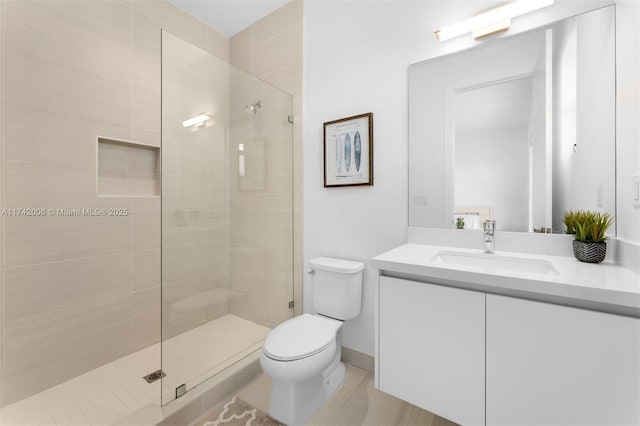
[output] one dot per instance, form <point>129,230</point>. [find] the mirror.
<point>519,129</point>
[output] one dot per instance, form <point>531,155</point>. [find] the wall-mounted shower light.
<point>197,121</point>
<point>492,21</point>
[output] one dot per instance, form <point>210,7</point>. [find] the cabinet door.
<point>554,365</point>
<point>431,348</point>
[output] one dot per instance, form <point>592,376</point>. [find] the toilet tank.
<point>337,287</point>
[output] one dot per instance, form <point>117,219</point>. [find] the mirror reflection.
<point>492,123</point>
<point>518,130</point>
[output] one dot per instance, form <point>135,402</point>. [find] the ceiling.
<point>229,16</point>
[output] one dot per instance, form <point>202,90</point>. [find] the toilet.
<point>302,355</point>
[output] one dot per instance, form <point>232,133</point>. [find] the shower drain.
<point>152,377</point>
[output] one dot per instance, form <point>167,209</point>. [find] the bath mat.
<point>237,412</point>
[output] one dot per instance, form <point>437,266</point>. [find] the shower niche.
<point>127,169</point>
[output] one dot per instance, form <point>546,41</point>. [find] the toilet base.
<point>294,403</point>
<point>333,381</point>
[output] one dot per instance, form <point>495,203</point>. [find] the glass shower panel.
<point>227,214</point>
<point>261,201</point>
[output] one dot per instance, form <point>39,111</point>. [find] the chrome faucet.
<point>489,239</point>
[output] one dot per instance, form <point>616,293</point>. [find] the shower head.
<point>254,107</point>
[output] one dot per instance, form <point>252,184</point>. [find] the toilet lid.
<point>300,337</point>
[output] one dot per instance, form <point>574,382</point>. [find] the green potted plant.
<point>589,229</point>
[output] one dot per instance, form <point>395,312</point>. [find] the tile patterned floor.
<point>114,391</point>
<point>356,402</point>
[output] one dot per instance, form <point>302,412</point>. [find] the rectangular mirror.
<point>519,129</point>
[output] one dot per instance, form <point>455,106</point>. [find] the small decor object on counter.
<point>460,223</point>
<point>589,252</point>
<point>348,151</point>
<point>589,229</point>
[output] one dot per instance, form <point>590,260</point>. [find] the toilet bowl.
<point>302,355</point>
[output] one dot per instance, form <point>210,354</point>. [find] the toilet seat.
<point>301,337</point>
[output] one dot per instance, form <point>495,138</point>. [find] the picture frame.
<point>348,151</point>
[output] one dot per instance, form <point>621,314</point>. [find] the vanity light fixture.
<point>197,120</point>
<point>491,29</point>
<point>492,21</point>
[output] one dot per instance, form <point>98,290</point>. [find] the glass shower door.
<point>227,214</point>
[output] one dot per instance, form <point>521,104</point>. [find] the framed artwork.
<point>348,151</point>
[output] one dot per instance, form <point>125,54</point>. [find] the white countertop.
<point>604,286</point>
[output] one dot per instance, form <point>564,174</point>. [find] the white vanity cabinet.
<point>558,346</point>
<point>455,351</point>
<point>556,365</point>
<point>431,347</point>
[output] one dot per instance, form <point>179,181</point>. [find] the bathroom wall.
<point>356,58</point>
<point>80,291</point>
<point>270,49</point>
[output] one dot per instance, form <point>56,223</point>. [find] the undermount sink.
<point>495,261</point>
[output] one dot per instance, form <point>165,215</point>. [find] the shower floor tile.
<point>109,393</point>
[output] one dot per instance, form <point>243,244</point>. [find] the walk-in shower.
<point>158,253</point>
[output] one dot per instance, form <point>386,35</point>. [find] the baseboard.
<point>358,359</point>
